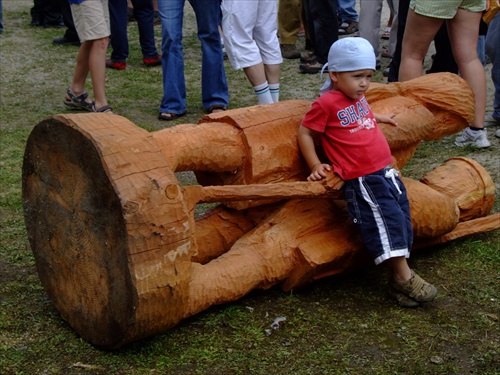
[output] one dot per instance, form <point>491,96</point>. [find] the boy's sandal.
<point>168,116</point>
<point>216,108</point>
<point>78,102</point>
<point>103,109</point>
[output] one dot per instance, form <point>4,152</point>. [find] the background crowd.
<point>257,35</point>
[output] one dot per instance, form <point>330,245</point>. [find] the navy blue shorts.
<point>379,205</point>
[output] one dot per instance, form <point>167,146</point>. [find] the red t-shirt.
<point>351,137</point>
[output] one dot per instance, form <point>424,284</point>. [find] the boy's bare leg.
<point>399,268</point>
<point>463,32</point>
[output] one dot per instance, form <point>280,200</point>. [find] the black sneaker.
<point>63,41</point>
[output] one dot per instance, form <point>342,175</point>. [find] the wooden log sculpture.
<point>122,256</point>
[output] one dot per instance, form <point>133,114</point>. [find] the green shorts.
<point>446,9</point>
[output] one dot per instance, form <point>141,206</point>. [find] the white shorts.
<point>251,32</point>
<point>91,18</point>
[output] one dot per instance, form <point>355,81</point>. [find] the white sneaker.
<point>497,133</point>
<point>474,138</point>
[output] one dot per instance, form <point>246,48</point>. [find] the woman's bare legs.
<point>420,31</point>
<point>463,30</point>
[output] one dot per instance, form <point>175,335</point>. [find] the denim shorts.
<point>378,204</point>
<point>446,9</point>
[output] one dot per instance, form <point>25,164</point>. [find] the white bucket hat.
<point>346,55</point>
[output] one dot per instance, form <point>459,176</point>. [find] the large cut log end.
<point>77,232</point>
<point>111,248</point>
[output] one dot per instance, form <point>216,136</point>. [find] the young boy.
<point>360,155</point>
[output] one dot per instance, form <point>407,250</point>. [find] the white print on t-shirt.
<point>354,112</point>
<point>364,123</point>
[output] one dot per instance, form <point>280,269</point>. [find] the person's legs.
<point>36,12</point>
<point>92,24</point>
<point>77,86</point>
<point>174,85</point>
<point>419,32</point>
<point>273,72</point>
<point>393,75</point>
<point>399,268</point>
<point>493,52</point>
<point>393,36</point>
<point>255,74</point>
<point>238,23</point>
<point>214,89</point>
<point>97,67</point>
<point>118,23</point>
<point>144,14</point>
<point>70,36</point>
<point>265,37</point>
<point>289,20</point>
<point>347,17</point>
<point>463,31</point>
<point>443,59</point>
<point>308,24</point>
<point>289,12</point>
<point>369,24</point>
<point>1,17</point>
<point>379,204</point>
<point>52,14</point>
<point>325,24</point>
<point>347,10</point>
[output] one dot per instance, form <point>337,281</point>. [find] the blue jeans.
<point>144,14</point>
<point>347,10</point>
<point>493,52</point>
<point>214,88</point>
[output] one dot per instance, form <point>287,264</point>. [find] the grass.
<point>340,325</point>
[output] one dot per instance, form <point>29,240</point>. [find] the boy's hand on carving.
<point>319,172</point>
<point>386,118</point>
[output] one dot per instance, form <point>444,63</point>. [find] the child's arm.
<point>386,118</point>
<point>306,144</point>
